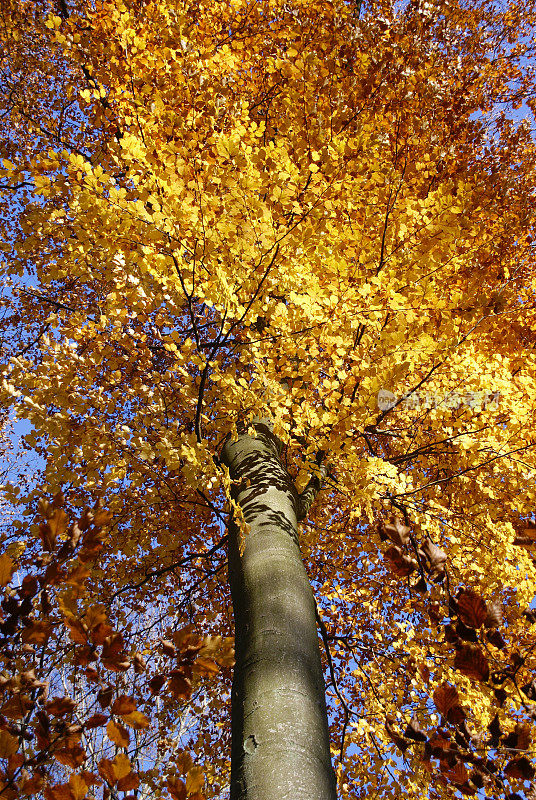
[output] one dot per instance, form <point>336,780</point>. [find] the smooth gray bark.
<point>280,740</point>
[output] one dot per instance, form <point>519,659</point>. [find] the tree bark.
<point>280,739</point>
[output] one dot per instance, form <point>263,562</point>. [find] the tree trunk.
<point>280,740</point>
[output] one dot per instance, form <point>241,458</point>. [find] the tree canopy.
<point>319,214</point>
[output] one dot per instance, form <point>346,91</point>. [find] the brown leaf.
<point>61,791</point>
<point>395,737</point>
<point>101,632</point>
<point>180,686</point>
<point>8,744</point>
<point>139,663</point>
<point>60,706</point>
<point>106,770</point>
<point>465,632</point>
<point>72,755</point>
<point>401,564</point>
<point>396,531</point>
<point>102,518</point>
<point>520,768</point>
<point>105,695</point>
<point>78,787</point>
<point>123,705</point>
<point>37,633</point>
<point>435,556</point>
<point>77,631</point>
<point>121,766</point>
<point>519,738</point>
<point>17,706</point>
<point>176,788</point>
<point>447,702</point>
<point>156,683</point>
<point>205,667</point>
<point>471,661</point>
<point>495,637</point>
<point>414,731</point>
<point>523,732</point>
<point>472,609</point>
<point>168,648</point>
<point>7,568</point>
<point>30,586</point>
<point>495,727</point>
<point>494,615</point>
<point>129,782</point>
<point>458,774</point>
<point>467,789</point>
<point>195,780</point>
<point>95,721</point>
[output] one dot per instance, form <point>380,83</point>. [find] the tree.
<point>262,253</point>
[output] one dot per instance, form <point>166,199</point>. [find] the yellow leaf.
<point>6,569</point>
<point>118,734</point>
<point>58,522</point>
<point>121,765</point>
<point>136,720</point>
<point>102,518</point>
<point>195,780</point>
<point>78,787</point>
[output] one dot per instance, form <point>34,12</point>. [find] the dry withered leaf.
<point>445,698</point>
<point>471,661</point>
<point>123,705</point>
<point>495,638</point>
<point>466,633</point>
<point>105,695</point>
<point>95,721</point>
<point>156,683</point>
<point>117,733</point>
<point>60,706</point>
<point>401,564</point>
<point>472,608</point>
<point>396,531</point>
<point>414,731</point>
<point>520,768</point>
<point>176,788</point>
<point>395,737</point>
<point>496,731</point>
<point>435,557</point>
<point>494,615</point>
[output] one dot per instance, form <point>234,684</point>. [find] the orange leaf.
<point>37,633</point>
<point>78,787</point>
<point>136,720</point>
<point>123,705</point>
<point>205,666</point>
<point>121,766</point>
<point>7,567</point>
<point>129,782</point>
<point>176,788</point>
<point>446,701</point>
<point>106,770</point>
<point>118,734</point>
<point>60,706</point>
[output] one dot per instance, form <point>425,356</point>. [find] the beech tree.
<point>270,312</point>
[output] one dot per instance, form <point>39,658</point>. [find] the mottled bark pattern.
<point>280,748</point>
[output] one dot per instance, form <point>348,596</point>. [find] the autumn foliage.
<point>320,214</point>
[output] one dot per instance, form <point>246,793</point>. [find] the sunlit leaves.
<point>299,217</point>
